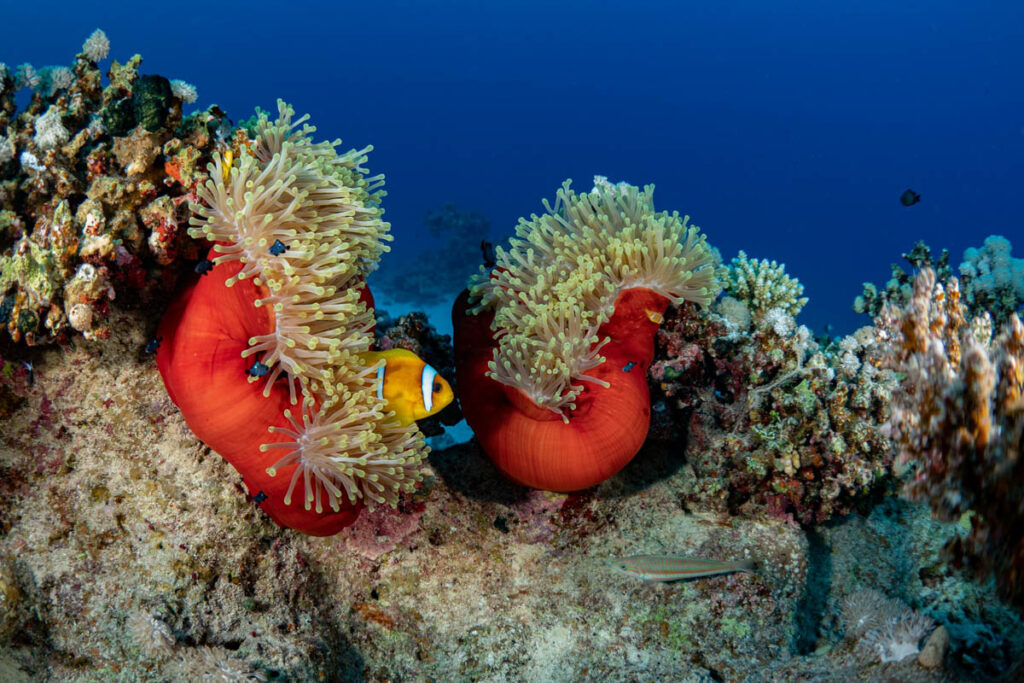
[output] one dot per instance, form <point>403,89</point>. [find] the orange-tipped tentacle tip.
<point>535,447</point>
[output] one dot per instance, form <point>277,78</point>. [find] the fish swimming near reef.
<point>909,198</point>
<point>675,568</point>
<point>412,388</point>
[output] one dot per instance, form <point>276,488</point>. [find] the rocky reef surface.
<point>129,552</point>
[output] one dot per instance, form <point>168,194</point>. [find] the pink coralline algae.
<point>958,420</point>
<point>775,420</point>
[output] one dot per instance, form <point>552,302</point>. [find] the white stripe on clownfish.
<point>427,386</point>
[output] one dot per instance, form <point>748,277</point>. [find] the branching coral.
<point>764,286</point>
<point>296,228</point>
<point>552,346</point>
<point>958,421</point>
<point>993,280</point>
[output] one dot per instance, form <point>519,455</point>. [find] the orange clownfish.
<point>412,388</point>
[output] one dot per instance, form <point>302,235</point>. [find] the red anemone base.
<point>202,337</point>
<point>534,446</point>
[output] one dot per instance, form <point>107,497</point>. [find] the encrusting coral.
<point>958,421</point>
<point>553,344</point>
<point>296,228</point>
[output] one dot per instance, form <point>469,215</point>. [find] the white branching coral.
<point>186,92</point>
<point>764,285</point>
<point>96,47</point>
<point>557,283</point>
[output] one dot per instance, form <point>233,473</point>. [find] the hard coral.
<point>552,356</point>
<point>776,421</point>
<point>764,286</point>
<point>958,421</point>
<point>66,206</point>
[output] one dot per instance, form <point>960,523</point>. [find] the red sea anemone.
<point>553,346</point>
<point>534,446</point>
<point>264,354</point>
<point>202,337</point>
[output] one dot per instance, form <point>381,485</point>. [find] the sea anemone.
<point>553,344</point>
<point>262,352</point>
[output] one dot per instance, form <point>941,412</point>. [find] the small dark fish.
<point>258,369</point>
<point>488,253</point>
<point>628,366</point>
<point>278,248</point>
<point>204,267</point>
<point>31,378</point>
<point>909,198</point>
<point>153,344</point>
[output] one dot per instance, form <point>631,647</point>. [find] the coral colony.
<point>605,325</point>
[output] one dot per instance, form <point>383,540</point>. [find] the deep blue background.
<point>788,129</point>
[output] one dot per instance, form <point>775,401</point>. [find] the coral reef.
<point>958,421</point>
<point>91,204</point>
<point>111,508</point>
<point>552,345</point>
<point>774,420</point>
<point>117,512</point>
<point>991,280</point>
<point>898,548</point>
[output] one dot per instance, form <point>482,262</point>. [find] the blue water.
<point>788,129</point>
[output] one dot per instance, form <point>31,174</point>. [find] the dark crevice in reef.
<point>811,610</point>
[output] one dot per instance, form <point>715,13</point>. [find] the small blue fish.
<point>257,369</point>
<point>278,248</point>
<point>628,366</point>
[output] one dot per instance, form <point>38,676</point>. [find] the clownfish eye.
<point>437,387</point>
